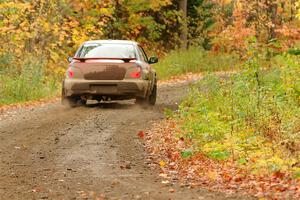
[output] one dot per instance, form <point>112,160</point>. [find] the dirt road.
<point>50,152</point>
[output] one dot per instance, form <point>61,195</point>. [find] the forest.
<point>250,119</point>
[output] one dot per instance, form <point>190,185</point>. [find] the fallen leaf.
<point>163,175</point>
<point>141,134</point>
<point>128,166</point>
<point>162,164</point>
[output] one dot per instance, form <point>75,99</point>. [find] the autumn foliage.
<point>52,30</point>
<point>37,36</point>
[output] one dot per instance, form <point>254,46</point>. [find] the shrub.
<point>194,60</point>
<point>251,117</point>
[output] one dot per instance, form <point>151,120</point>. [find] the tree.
<point>183,29</point>
<point>298,11</point>
<point>200,22</point>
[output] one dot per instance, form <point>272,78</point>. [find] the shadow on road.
<point>124,105</point>
<point>110,105</point>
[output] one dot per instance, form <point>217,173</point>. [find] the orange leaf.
<point>141,134</point>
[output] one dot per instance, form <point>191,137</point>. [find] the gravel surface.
<point>89,152</point>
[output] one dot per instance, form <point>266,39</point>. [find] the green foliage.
<point>195,59</point>
<point>200,21</point>
<point>294,51</point>
<point>186,154</point>
<point>219,155</point>
<point>297,173</point>
<point>252,117</point>
<point>168,112</point>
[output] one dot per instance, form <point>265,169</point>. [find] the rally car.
<point>106,70</point>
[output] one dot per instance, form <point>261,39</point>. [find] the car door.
<point>148,71</point>
<point>144,59</point>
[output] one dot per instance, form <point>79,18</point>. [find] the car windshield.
<point>106,51</point>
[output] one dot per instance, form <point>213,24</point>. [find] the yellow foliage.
<point>298,5</point>
<point>157,4</point>
<point>9,5</point>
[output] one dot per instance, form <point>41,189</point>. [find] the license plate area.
<point>104,89</point>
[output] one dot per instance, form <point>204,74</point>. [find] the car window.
<point>142,54</point>
<point>106,51</point>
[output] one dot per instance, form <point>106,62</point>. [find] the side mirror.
<point>70,59</point>
<point>153,60</point>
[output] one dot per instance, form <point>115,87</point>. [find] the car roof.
<point>111,42</point>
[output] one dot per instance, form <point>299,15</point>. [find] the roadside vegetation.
<point>28,83</point>
<point>237,131</point>
<point>195,60</point>
<point>251,118</point>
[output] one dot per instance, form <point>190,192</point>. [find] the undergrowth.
<point>195,60</point>
<point>251,118</point>
<point>25,81</point>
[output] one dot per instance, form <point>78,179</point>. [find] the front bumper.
<point>137,88</point>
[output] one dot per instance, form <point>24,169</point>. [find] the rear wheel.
<point>140,101</point>
<point>150,100</point>
<point>82,102</point>
<point>68,101</point>
<point>152,97</point>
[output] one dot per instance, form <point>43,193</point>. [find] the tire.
<point>140,101</point>
<point>68,101</point>
<point>82,102</point>
<point>150,100</point>
<point>152,97</point>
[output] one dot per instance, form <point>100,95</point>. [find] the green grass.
<point>251,117</point>
<point>194,60</point>
<point>27,84</point>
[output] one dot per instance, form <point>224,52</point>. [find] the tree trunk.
<point>183,28</point>
<point>292,17</point>
<point>273,15</point>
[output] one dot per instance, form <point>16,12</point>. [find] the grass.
<point>195,60</point>
<point>27,84</point>
<point>251,118</point>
